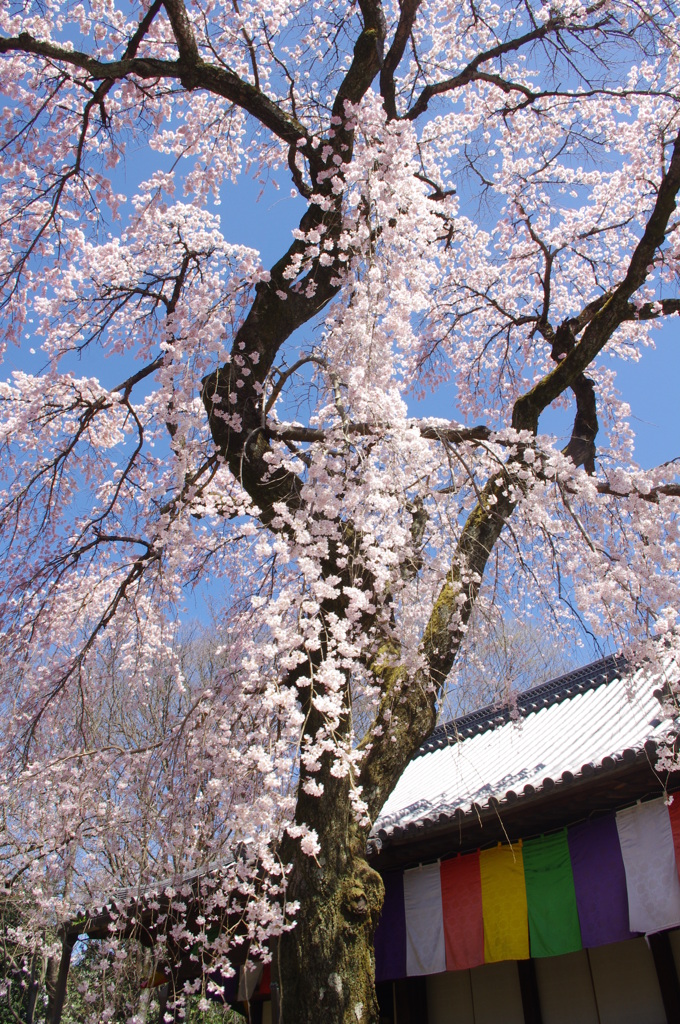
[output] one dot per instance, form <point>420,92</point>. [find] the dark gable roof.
<point>541,696</point>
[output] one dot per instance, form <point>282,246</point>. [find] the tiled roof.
<point>552,734</point>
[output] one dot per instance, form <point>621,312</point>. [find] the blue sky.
<point>652,387</point>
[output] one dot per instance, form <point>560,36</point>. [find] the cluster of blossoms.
<point>483,219</point>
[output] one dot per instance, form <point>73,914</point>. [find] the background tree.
<point>486,202</point>
<point>507,658</point>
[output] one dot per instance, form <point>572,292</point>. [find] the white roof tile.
<point>586,717</point>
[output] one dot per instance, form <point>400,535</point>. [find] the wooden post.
<point>163,993</point>
<point>384,990</point>
<point>531,1003</point>
<point>62,978</point>
<point>662,954</point>
<point>410,1000</point>
<point>276,1002</point>
<point>33,987</point>
<point>32,999</point>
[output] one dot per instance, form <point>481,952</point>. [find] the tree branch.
<point>192,73</point>
<point>402,33</point>
<point>182,30</point>
<point>652,310</point>
<point>610,312</point>
<point>652,496</point>
<point>408,707</point>
<point>451,435</point>
<point>366,61</point>
<point>471,72</point>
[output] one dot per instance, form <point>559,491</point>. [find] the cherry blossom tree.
<point>485,202</point>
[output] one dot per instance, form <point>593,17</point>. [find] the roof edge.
<point>441,823</point>
<point>588,677</point>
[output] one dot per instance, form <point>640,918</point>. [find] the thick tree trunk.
<point>325,965</point>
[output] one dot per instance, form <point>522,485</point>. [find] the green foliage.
<point>15,966</point>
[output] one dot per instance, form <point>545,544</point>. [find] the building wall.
<point>485,995</point>
<point>565,989</point>
<point>614,984</point>
<point>626,984</point>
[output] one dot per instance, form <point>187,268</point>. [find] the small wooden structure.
<point>152,914</point>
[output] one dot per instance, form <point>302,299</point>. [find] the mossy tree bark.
<point>325,966</point>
